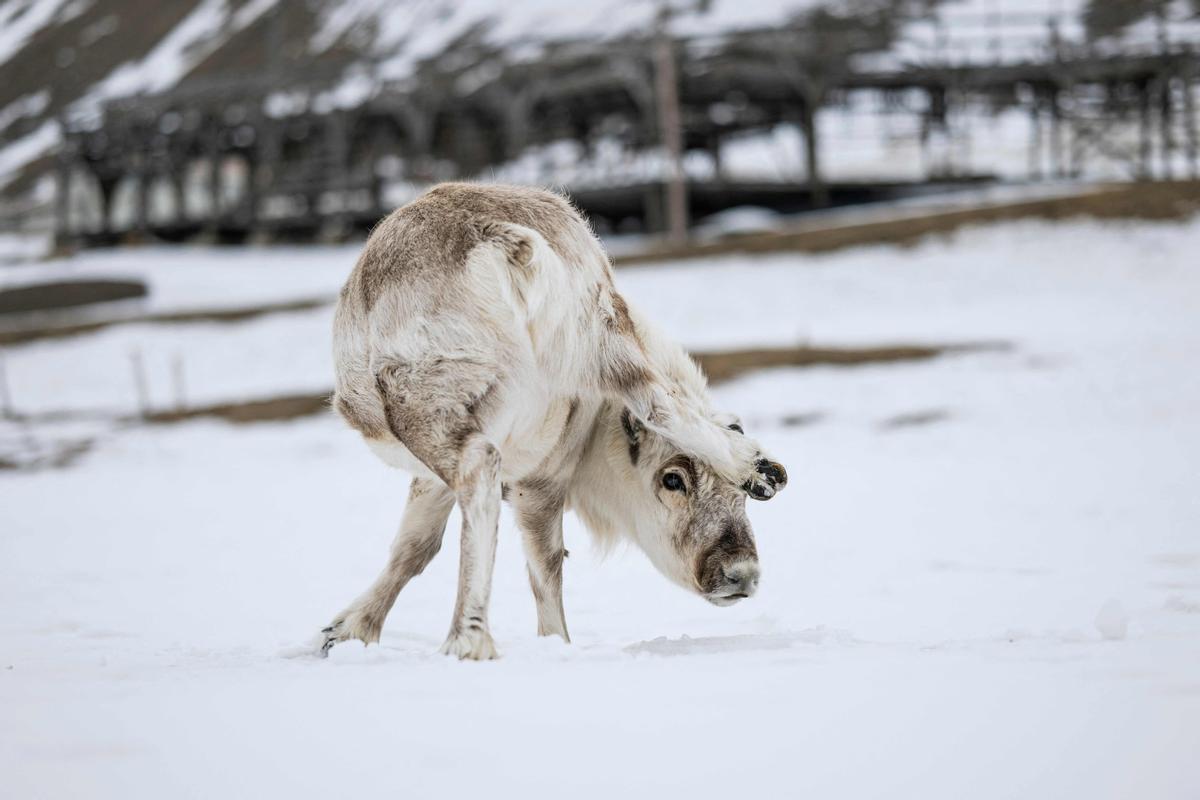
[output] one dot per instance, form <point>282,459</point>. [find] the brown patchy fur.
<point>621,319</point>
<point>432,410</point>
<point>736,542</point>
<point>437,231</point>
<point>517,247</point>
<point>353,414</point>
<point>633,434</point>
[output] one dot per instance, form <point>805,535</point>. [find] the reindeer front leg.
<point>539,507</point>
<point>629,373</point>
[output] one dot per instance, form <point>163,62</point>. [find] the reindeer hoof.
<point>353,624</point>
<point>327,640</point>
<point>770,479</point>
<point>473,644</point>
<point>772,472</point>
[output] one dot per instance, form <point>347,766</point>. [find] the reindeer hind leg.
<point>477,487</point>
<point>415,545</point>
<point>438,408</point>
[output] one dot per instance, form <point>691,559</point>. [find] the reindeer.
<point>481,345</point>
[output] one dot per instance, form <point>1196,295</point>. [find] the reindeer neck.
<point>604,491</point>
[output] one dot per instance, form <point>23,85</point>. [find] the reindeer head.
<point>690,521</point>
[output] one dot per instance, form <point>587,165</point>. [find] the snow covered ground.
<point>984,579</point>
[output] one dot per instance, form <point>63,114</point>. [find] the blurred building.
<point>233,119</point>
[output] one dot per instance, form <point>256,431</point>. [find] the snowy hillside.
<point>63,57</point>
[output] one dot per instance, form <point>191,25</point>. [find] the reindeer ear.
<point>633,434</point>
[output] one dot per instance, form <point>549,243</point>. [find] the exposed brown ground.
<point>727,365</point>
<point>719,367</point>
<point>272,409</point>
<point>56,295</point>
<point>22,335</point>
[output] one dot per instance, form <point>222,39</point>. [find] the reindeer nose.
<point>741,579</point>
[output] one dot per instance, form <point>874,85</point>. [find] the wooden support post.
<point>141,195</point>
<point>417,120</point>
<point>62,199</point>
<point>1164,82</point>
<point>213,223</point>
<point>108,191</point>
<point>516,124</point>
<point>1057,161</point>
<point>7,410</point>
<point>670,131</point>
<point>250,202</point>
<point>1189,125</point>
<point>1145,146</point>
<point>652,210</point>
<point>266,167</point>
<point>1165,122</point>
<point>175,179</point>
<point>817,189</point>
<point>1035,142</point>
<point>336,177</point>
<point>714,151</point>
<point>377,185</point>
<point>1075,168</point>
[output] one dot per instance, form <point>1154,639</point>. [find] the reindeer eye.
<point>736,427</point>
<point>672,482</point>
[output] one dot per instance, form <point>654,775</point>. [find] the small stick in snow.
<point>177,382</point>
<point>139,382</point>
<point>6,404</point>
